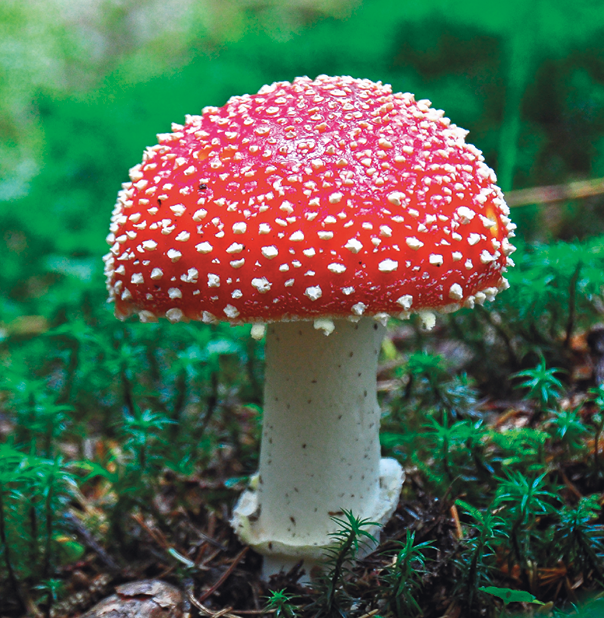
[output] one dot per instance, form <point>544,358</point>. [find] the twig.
<point>570,485</point>
<point>91,542</point>
<point>243,612</point>
<point>555,193</point>
<point>154,534</point>
<point>205,537</point>
<point>206,610</point>
<point>225,575</point>
<point>455,516</point>
<point>373,612</point>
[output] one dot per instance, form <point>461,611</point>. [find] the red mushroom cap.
<point>324,198</point>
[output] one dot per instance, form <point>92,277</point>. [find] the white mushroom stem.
<point>320,449</point>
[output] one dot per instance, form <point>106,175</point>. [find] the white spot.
<point>488,223</point>
<point>149,245</point>
<point>200,214</point>
<point>208,318</point>
<point>137,279</point>
<point>157,273</point>
<point>269,252</point>
<point>237,263</point>
<point>385,231</point>
<point>174,255</point>
<point>336,268</point>
<point>473,239</point>
<point>405,301</point>
<point>178,209</point>
<point>190,170</point>
<point>323,235</point>
<point>190,276</point>
<point>309,252</point>
<point>456,292</point>
<point>334,198</point>
<point>297,236</point>
<point>486,257</point>
<point>147,316</point>
<point>491,293</point>
<point>387,266</point>
<point>314,292</point>
<point>456,255</point>
<point>175,315</point>
<point>382,318</point>
<point>465,214</point>
<point>348,291</point>
<point>507,247</point>
<point>324,324</point>
<point>396,198</point>
<point>183,237</point>
<point>174,293</point>
<point>235,248</point>
<point>359,308</point>
<point>258,331</point>
<point>231,312</point>
<point>264,228</point>
<point>213,281</point>
<point>480,297</point>
<point>289,283</point>
<point>428,319</point>
<point>236,294</point>
<point>436,260</point>
<point>204,247</point>
<point>262,284</point>
<point>353,245</point>
<point>239,228</point>
<point>468,264</point>
<point>414,243</point>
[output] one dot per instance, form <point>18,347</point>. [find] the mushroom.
<point>320,207</point>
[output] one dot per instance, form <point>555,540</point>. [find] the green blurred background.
<point>86,84</point>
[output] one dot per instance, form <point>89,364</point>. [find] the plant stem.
<point>49,522</point>
<point>597,446</point>
<point>572,304</point>
<point>7,554</point>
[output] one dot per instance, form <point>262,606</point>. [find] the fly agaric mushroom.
<point>314,206</point>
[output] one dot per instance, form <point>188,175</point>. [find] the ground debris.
<point>149,598</point>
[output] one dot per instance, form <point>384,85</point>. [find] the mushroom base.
<point>320,452</point>
<point>281,556</point>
